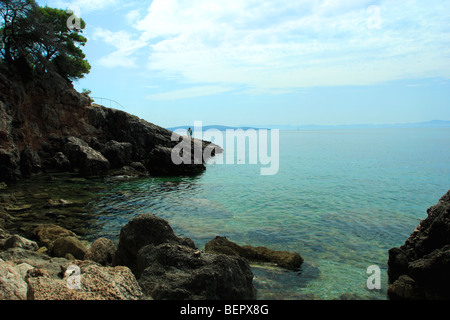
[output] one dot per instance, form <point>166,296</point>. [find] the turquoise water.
<point>341,199</point>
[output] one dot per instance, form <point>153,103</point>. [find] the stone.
<point>69,245</point>
<point>419,268</point>
<point>47,234</point>
<point>143,230</point>
<point>102,251</point>
<point>284,259</point>
<point>95,283</point>
<point>176,272</point>
<point>88,161</point>
<point>30,162</point>
<point>12,284</point>
<point>17,241</point>
<point>118,153</point>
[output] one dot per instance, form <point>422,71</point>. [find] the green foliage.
<point>41,37</point>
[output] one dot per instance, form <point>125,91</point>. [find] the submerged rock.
<point>419,268</point>
<point>284,259</point>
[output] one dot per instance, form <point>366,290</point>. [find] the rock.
<point>59,163</point>
<point>159,161</point>
<point>118,153</point>
<point>419,268</point>
<point>405,288</point>
<point>283,259</point>
<point>143,230</point>
<point>9,165</point>
<point>95,283</point>
<point>102,251</point>
<point>176,272</point>
<point>58,203</point>
<point>69,245</point>
<point>17,241</point>
<point>47,234</point>
<point>18,256</point>
<point>30,162</point>
<point>89,161</point>
<point>12,285</point>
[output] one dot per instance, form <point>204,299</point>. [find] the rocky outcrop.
<point>284,259</point>
<point>169,267</point>
<point>419,268</point>
<point>48,126</point>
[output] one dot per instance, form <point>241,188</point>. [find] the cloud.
<point>125,48</point>
<point>274,46</point>
<point>187,93</point>
<point>85,5</point>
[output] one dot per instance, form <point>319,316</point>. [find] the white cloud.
<point>192,92</point>
<point>85,5</point>
<point>274,45</point>
<point>125,48</point>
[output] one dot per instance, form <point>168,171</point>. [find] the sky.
<point>248,62</point>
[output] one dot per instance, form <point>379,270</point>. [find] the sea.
<point>340,198</point>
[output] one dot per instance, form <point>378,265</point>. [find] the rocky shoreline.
<point>149,263</point>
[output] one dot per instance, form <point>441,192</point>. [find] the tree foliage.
<point>39,38</point>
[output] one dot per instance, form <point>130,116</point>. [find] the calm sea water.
<point>341,199</point>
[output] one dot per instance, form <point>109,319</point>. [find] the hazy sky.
<point>248,62</point>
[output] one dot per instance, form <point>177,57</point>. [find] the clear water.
<point>341,199</point>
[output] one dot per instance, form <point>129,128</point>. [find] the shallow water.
<point>341,199</point>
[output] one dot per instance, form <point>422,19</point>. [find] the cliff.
<point>418,270</point>
<point>47,126</point>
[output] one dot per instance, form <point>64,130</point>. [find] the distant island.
<point>427,124</point>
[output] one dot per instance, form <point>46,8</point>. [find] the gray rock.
<point>175,272</point>
<point>143,230</point>
<point>118,153</point>
<point>89,161</point>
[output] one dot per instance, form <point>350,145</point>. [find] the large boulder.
<point>284,259</point>
<point>175,272</point>
<point>419,268</point>
<point>143,230</point>
<point>170,267</point>
<point>118,153</point>
<point>88,161</point>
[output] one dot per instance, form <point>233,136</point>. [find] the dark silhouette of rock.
<point>143,230</point>
<point>88,161</point>
<point>284,259</point>
<point>419,268</point>
<point>175,272</point>
<point>169,267</point>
